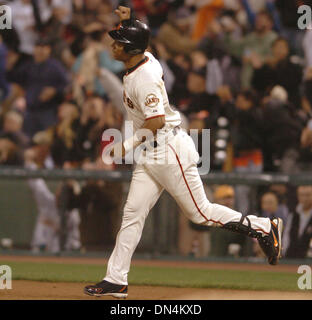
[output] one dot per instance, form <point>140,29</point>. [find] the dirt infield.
<point>156,263</point>
<point>37,290</point>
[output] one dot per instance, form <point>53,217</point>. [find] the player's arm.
<point>152,125</point>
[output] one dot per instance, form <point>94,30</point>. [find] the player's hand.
<point>123,13</point>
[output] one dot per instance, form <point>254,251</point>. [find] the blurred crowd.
<point>241,68</point>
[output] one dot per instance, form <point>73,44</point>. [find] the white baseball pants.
<point>180,177</point>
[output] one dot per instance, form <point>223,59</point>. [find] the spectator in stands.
<point>206,12</point>
<point>51,225</point>
<point>161,54</point>
<point>4,84</point>
<point>155,12</point>
<point>305,159</point>
<point>13,125</point>
<point>307,47</point>
<point>15,60</point>
<point>10,152</point>
<point>56,27</point>
<point>99,204</point>
<point>246,123</point>
<point>89,12</point>
<point>279,70</point>
<point>270,207</point>
<point>177,27</point>
<point>287,198</point>
<point>97,115</point>
<point>213,46</point>
<point>252,48</point>
<point>253,7</point>
<point>62,10</point>
<point>24,23</point>
<point>288,12</point>
<point>44,80</point>
<point>180,66</point>
<point>46,231</point>
<point>199,99</point>
<point>298,231</point>
<point>214,76</point>
<point>95,55</point>
<point>63,135</point>
<point>281,133</point>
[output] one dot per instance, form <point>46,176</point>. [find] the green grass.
<point>158,276</point>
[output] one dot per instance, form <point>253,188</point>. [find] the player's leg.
<point>181,179</point>
<point>143,194</point>
<point>186,187</point>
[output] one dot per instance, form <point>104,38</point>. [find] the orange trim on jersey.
<point>188,187</point>
<point>138,66</point>
<point>160,115</point>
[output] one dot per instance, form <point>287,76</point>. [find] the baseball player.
<point>147,104</point>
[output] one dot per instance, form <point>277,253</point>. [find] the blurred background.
<point>241,68</point>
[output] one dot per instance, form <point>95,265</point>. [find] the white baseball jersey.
<point>145,95</point>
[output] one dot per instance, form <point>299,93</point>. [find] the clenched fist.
<point>123,13</point>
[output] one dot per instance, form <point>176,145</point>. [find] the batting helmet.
<point>134,34</point>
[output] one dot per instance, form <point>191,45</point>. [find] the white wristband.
<point>131,143</point>
<point>128,145</point>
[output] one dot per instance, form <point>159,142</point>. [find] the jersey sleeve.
<point>150,101</point>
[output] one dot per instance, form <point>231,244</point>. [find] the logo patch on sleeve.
<point>151,100</point>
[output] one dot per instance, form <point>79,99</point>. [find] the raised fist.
<point>123,13</point>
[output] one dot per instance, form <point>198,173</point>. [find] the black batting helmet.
<point>134,34</point>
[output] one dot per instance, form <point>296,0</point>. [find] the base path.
<point>156,263</point>
<point>37,290</point>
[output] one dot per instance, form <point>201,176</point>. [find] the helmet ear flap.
<point>132,51</point>
<point>135,51</point>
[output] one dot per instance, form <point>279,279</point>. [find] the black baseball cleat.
<point>271,244</point>
<point>105,288</point>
